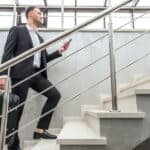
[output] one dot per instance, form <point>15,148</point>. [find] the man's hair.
<point>29,9</point>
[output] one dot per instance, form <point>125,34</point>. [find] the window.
<point>143,3</point>
<point>8,2</point>
<point>83,13</point>
<point>69,2</point>
<point>82,17</point>
<point>54,2</point>
<point>31,2</point>
<point>23,18</point>
<point>69,20</point>
<point>143,22</point>
<point>120,19</point>
<point>115,2</point>
<point>90,2</point>
<point>54,20</point>
<point>7,19</point>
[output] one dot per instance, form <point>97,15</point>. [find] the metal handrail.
<point>60,105</point>
<point>42,46</point>
<point>93,42</point>
<point>81,68</point>
<point>5,112</point>
<point>85,47</point>
<point>76,94</point>
<point>122,69</point>
<point>126,44</point>
<point>118,48</point>
<point>74,73</point>
<point>106,78</point>
<point>64,58</point>
<point>25,55</point>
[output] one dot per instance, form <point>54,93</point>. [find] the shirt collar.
<point>30,28</point>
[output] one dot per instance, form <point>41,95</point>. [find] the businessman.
<point>19,40</point>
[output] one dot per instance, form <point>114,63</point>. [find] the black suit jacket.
<point>19,41</point>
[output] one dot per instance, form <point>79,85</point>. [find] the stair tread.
<point>44,144</point>
<point>78,132</point>
<point>142,90</point>
<point>30,143</point>
<point>115,114</point>
<point>108,98</point>
<point>142,81</point>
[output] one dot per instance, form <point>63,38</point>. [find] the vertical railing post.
<point>14,13</point>
<point>5,112</point>
<point>75,13</point>
<point>62,14</point>
<point>112,65</point>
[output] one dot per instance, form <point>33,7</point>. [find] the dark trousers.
<point>38,83</point>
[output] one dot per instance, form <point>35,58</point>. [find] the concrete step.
<point>126,102</point>
<point>41,145</point>
<point>29,145</point>
<point>144,91</point>
<point>89,107</point>
<point>139,76</point>
<point>143,81</point>
<point>119,127</point>
<point>79,133</point>
<point>46,145</point>
<point>115,114</point>
<point>126,94</point>
<point>92,122</point>
<point>28,148</point>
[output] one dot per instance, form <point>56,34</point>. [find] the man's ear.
<point>30,14</point>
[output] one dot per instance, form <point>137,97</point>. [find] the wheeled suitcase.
<point>14,100</point>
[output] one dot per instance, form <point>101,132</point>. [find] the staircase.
<point>78,132</point>
<point>99,128</point>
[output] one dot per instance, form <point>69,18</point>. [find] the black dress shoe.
<point>44,135</point>
<point>14,143</point>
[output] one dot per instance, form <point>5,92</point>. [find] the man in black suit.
<point>19,40</point>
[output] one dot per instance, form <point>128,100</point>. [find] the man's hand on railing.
<point>65,46</point>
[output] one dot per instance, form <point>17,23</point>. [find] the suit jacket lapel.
<point>28,36</point>
<point>40,38</point>
<point>43,53</point>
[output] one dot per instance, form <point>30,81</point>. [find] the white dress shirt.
<point>36,42</point>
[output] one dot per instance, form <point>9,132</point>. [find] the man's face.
<point>37,16</point>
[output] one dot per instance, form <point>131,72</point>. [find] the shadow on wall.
<point>144,145</point>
